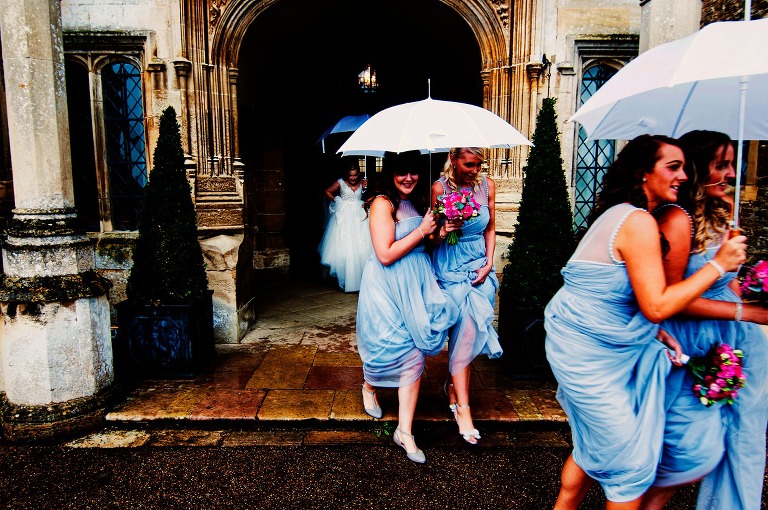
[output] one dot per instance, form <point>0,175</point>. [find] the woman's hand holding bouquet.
<point>458,206</point>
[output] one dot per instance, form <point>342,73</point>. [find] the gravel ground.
<point>306,477</point>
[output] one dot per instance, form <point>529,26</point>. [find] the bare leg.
<point>461,389</point>
<point>574,484</point>
<point>626,505</point>
<point>656,497</point>
<point>407,396</point>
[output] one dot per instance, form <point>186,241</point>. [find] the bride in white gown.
<point>346,244</point>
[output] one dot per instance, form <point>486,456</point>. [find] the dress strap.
<point>615,232</point>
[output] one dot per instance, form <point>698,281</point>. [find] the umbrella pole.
<point>740,143</point>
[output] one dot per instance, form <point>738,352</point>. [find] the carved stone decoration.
<point>502,10</point>
<point>215,11</point>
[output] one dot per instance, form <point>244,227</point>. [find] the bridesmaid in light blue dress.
<point>466,271</point>
<point>402,314</point>
<point>724,444</point>
<point>602,327</point>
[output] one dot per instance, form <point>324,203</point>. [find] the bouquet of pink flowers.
<point>717,375</point>
<point>755,283</point>
<point>459,205</point>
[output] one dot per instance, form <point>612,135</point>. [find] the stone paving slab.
<point>377,435</point>
<point>299,366</point>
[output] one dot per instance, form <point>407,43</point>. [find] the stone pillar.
<point>55,345</point>
<point>662,21</point>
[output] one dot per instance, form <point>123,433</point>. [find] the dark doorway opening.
<point>298,69</point>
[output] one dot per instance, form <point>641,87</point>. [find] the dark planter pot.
<point>522,335</point>
<point>165,341</point>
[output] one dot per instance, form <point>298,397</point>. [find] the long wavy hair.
<point>623,182</point>
<point>384,184</point>
<point>710,214</point>
<point>449,171</point>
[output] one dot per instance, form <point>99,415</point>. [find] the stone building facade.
<point>254,83</point>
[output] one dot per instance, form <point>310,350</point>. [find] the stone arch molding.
<point>231,19</point>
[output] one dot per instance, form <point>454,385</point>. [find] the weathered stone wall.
<point>728,10</point>
<point>754,214</point>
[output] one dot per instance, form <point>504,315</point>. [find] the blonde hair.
<point>449,169</point>
<point>711,215</point>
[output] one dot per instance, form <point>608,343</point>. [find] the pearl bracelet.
<point>420,232</point>
<point>739,312</point>
<point>717,266</point>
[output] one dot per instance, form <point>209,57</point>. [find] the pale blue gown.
<point>609,366</point>
<point>456,267</point>
<point>346,243</point>
<point>402,314</point>
<point>726,441</point>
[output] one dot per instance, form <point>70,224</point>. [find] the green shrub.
<point>544,238</point>
<point>168,265</point>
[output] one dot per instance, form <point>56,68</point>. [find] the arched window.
<point>125,146</point>
<point>81,145</point>
<point>592,157</point>
<point>107,140</point>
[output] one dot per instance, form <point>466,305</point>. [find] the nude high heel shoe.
<point>417,456</point>
<point>375,410</point>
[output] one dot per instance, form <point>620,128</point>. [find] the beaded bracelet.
<point>420,232</point>
<point>739,312</point>
<point>717,266</point>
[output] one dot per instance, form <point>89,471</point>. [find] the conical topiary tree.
<point>168,263</point>
<point>544,237</point>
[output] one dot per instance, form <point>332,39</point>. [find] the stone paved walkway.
<point>299,367</point>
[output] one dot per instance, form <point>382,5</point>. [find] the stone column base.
<point>52,422</point>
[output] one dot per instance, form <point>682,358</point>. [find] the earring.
<point>454,167</point>
<point>645,180</point>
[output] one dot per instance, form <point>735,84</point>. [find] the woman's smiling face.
<point>721,170</point>
<point>406,182</point>
<point>661,185</point>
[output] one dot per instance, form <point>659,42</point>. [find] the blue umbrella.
<point>345,124</point>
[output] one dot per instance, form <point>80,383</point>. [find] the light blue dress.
<point>456,267</point>
<point>608,364</point>
<point>402,314</point>
<point>726,441</point>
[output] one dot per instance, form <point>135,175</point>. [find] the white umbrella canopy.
<point>691,83</point>
<point>431,126</point>
<point>715,79</point>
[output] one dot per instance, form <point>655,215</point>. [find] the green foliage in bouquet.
<point>168,265</point>
<point>544,239</point>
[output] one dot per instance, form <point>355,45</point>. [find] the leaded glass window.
<point>592,157</point>
<point>125,145</point>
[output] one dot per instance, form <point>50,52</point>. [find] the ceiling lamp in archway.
<point>367,79</point>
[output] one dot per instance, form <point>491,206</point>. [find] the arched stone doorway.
<point>296,66</point>
<point>298,75</point>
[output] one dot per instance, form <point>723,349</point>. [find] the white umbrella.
<point>344,125</point>
<point>714,79</point>
<point>431,126</point>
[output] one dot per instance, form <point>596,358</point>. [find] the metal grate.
<point>126,150</point>
<point>592,157</point>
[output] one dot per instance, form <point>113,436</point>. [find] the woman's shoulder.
<point>382,201</point>
<point>673,216</point>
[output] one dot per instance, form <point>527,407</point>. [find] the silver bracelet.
<point>717,266</point>
<point>739,311</point>
<point>420,232</point>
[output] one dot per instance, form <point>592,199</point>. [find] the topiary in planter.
<point>166,324</point>
<point>168,263</point>
<point>543,242</point>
